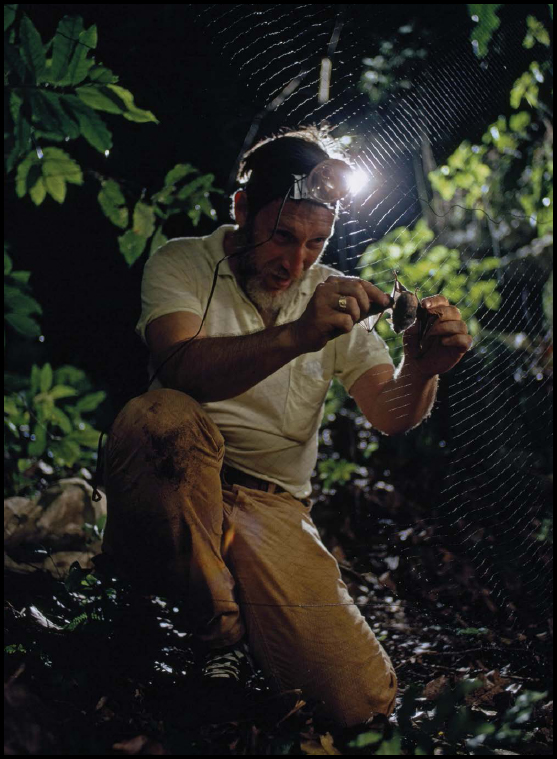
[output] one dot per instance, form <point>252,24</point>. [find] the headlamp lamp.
<point>327,183</point>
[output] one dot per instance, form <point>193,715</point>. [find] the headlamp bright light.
<point>327,183</point>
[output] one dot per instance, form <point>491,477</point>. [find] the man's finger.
<point>461,343</point>
<point>447,328</point>
<point>432,301</point>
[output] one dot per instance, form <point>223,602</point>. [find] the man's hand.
<point>325,317</point>
<point>445,342</point>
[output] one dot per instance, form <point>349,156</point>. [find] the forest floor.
<point>93,670</point>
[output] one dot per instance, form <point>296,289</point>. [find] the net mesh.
<point>431,122</point>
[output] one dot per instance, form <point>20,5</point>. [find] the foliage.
<point>57,92</point>
<point>45,432</point>
<point>487,20</point>
<point>390,71</point>
<point>19,305</point>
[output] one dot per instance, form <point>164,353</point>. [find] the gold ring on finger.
<point>342,303</point>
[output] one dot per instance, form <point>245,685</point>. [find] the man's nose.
<point>294,261</point>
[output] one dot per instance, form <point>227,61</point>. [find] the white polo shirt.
<point>270,430</point>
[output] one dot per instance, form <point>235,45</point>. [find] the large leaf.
<point>25,325</point>
<point>100,98</point>
<point>90,402</point>
<point>131,246</point>
<point>58,168</point>
<point>180,171</point>
<point>132,113</point>
<point>31,48</point>
<point>47,108</point>
<point>9,15</point>
<point>19,302</point>
<point>64,44</point>
<point>143,219</point>
<point>113,202</point>
<point>87,437</point>
<point>66,452</point>
<point>91,126</point>
<point>80,65</point>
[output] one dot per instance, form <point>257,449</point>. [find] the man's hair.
<point>266,171</point>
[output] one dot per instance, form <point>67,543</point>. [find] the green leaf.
<point>80,64</point>
<point>180,171</point>
<point>19,302</point>
<point>62,391</point>
<point>158,240</point>
<point>61,419</point>
<point>66,452</point>
<point>56,187</point>
<point>37,446</point>
<point>488,23</point>
<point>35,379</point>
<point>132,113</point>
<point>64,44</point>
<point>88,438</point>
<point>91,126</point>
<point>90,402</point>
<point>31,48</point>
<point>48,110</point>
<point>102,75</point>
<point>100,98</point>
<point>143,219</point>
<point>7,264</point>
<point>46,378</point>
<point>58,168</point>
<point>112,202</point>
<point>37,193</point>
<point>9,15</point>
<point>131,246</point>
<point>25,325</point>
<point>21,276</point>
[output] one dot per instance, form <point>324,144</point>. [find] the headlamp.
<point>327,183</point>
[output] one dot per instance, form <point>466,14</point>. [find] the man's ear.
<point>240,207</point>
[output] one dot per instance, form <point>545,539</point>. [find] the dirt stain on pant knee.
<point>169,454</point>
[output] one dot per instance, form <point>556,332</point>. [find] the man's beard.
<point>252,282</point>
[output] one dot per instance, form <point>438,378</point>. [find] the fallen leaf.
<point>435,687</point>
<point>322,747</point>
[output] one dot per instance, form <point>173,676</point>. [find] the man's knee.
<point>362,696</point>
<point>163,413</point>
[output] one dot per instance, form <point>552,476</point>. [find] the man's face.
<point>272,273</point>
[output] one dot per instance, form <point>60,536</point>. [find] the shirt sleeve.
<point>357,352</point>
<point>169,285</point>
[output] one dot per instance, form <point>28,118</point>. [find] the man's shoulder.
<point>193,249</point>
<point>321,272</point>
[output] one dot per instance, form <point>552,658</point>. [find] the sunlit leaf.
<point>143,219</point>
<point>112,202</point>
<point>66,452</point>
<point>62,391</point>
<point>487,25</point>
<point>87,437</point>
<point>158,240</point>
<point>91,401</point>
<point>100,98</point>
<point>178,172</point>
<point>132,112</point>
<point>131,246</point>
<point>46,378</point>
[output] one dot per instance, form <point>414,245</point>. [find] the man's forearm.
<point>405,401</point>
<point>216,368</point>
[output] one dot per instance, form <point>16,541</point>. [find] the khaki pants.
<point>246,562</point>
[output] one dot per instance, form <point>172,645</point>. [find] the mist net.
<point>445,117</point>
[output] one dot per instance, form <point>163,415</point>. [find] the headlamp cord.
<point>96,495</point>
